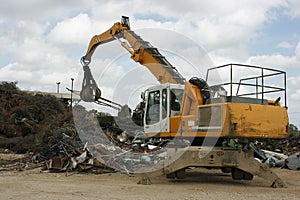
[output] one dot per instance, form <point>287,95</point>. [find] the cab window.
<point>164,103</point>
<point>175,101</point>
<point>153,107</point>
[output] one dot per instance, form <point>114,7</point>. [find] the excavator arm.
<point>141,51</point>
<point>116,30</point>
<point>90,92</point>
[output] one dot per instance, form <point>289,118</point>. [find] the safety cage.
<point>248,84</point>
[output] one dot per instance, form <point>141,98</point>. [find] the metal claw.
<point>84,62</point>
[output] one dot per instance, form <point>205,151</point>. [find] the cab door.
<point>156,118</point>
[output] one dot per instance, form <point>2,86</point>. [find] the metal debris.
<point>293,161</point>
<point>274,159</point>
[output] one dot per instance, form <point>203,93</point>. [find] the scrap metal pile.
<point>282,153</point>
<point>42,129</point>
<point>28,122</point>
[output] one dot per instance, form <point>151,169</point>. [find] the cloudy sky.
<point>41,41</point>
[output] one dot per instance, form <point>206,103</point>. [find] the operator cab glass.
<point>175,101</point>
<point>162,102</point>
<point>153,108</point>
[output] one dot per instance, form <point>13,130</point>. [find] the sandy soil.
<point>199,184</point>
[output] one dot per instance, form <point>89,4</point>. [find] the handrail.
<point>260,89</point>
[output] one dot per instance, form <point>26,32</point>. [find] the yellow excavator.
<point>218,115</point>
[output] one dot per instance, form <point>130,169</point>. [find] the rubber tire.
<point>248,176</point>
<point>226,170</point>
<point>180,174</point>
<point>171,175</point>
<point>237,174</point>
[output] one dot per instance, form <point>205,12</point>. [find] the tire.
<point>226,170</point>
<point>248,176</point>
<point>237,174</point>
<point>171,175</point>
<point>180,174</point>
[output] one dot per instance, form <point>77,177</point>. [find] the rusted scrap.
<point>73,158</point>
<point>57,163</point>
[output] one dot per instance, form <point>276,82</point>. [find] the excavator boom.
<point>141,51</point>
<point>105,37</point>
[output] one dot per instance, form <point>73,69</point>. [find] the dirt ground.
<point>199,184</point>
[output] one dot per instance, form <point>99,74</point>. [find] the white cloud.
<point>293,99</point>
<point>293,8</point>
<point>13,37</point>
<point>72,31</point>
<point>226,29</point>
<point>293,82</point>
<point>297,51</point>
<point>284,45</point>
<point>274,60</point>
<point>9,73</point>
<point>41,10</point>
<point>277,60</point>
<point>38,65</point>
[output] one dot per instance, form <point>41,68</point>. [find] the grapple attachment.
<point>89,91</point>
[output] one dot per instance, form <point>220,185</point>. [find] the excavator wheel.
<point>226,169</point>
<point>180,174</point>
<point>238,174</point>
<point>248,176</point>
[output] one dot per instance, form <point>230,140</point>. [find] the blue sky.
<point>41,41</point>
<point>281,29</point>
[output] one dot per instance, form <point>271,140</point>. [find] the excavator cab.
<point>162,103</point>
